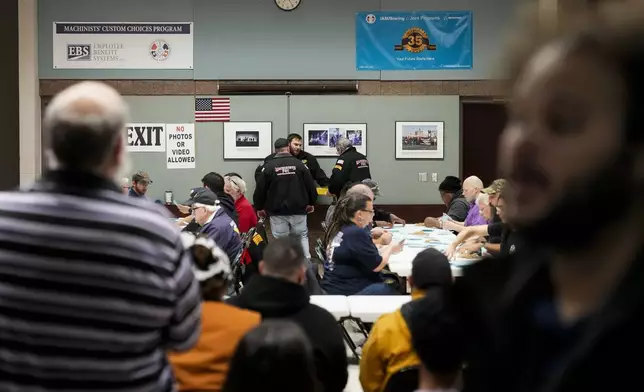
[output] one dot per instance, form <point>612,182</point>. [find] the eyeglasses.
<point>369,211</point>
<point>193,209</point>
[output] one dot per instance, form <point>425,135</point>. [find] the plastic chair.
<point>405,380</point>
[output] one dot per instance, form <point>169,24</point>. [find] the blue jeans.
<point>285,225</point>
<point>378,289</point>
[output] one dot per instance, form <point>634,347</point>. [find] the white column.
<point>30,134</point>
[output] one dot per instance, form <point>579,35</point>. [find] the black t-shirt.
<point>510,241</point>
<point>496,237</point>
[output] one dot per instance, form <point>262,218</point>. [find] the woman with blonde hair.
<point>235,186</point>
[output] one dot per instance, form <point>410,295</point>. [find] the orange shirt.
<point>205,366</point>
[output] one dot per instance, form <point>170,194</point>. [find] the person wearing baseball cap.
<point>495,190</point>
<point>214,221</point>
<point>309,160</point>
<point>381,216</point>
<point>140,183</point>
<point>389,346</point>
<point>286,192</point>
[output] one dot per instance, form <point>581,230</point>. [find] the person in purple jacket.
<point>214,221</point>
<point>472,187</point>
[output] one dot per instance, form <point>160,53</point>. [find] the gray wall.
<point>252,39</point>
<point>398,179</point>
<point>208,140</point>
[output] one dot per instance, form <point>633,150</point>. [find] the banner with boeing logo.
<point>123,45</point>
<point>422,40</point>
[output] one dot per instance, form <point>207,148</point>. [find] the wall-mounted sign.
<point>79,45</point>
<point>143,137</point>
<point>413,40</point>
<point>180,146</point>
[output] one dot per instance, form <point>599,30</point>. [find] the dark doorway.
<point>9,103</point>
<point>481,124</point>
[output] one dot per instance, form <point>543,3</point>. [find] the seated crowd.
<point>101,291</point>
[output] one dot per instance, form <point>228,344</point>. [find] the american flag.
<point>214,109</point>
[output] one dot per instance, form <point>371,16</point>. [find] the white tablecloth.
<point>415,242</point>
<point>369,307</point>
<point>337,305</point>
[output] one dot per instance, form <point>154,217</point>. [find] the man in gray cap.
<point>350,167</point>
<point>140,183</point>
<point>381,217</point>
<point>286,192</point>
<point>214,221</point>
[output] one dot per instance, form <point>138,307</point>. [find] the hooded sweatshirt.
<point>276,298</point>
<point>228,204</point>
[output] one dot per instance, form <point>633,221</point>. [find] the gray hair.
<point>237,183</point>
<point>85,121</point>
<point>342,145</point>
<point>360,189</point>
<point>483,198</point>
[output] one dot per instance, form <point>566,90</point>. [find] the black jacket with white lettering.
<point>309,160</point>
<point>284,187</point>
<point>352,167</point>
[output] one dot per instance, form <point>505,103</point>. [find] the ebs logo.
<point>82,52</point>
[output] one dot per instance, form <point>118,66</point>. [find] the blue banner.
<point>398,41</point>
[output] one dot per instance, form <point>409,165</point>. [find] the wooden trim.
<point>476,89</point>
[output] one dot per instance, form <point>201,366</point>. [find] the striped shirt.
<point>95,286</point>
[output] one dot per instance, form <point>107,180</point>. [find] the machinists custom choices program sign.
<point>123,45</point>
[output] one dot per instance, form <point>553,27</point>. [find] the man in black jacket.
<point>351,167</point>
<point>285,191</point>
<point>295,148</point>
<point>215,182</point>
<point>278,292</point>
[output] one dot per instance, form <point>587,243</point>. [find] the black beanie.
<point>450,184</point>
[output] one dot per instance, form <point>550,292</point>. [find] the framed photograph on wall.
<point>419,140</point>
<point>320,139</point>
<point>248,140</point>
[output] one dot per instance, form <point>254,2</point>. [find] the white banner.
<point>180,146</point>
<point>123,45</point>
<point>144,137</point>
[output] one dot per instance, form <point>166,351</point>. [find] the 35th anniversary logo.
<point>415,40</point>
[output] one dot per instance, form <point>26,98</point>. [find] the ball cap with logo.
<point>141,176</point>
<point>201,196</point>
<point>497,186</point>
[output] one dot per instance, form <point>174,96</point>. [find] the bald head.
<point>361,189</point>
<point>86,122</point>
<point>472,186</point>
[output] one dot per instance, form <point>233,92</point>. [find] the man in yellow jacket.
<point>389,348</point>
